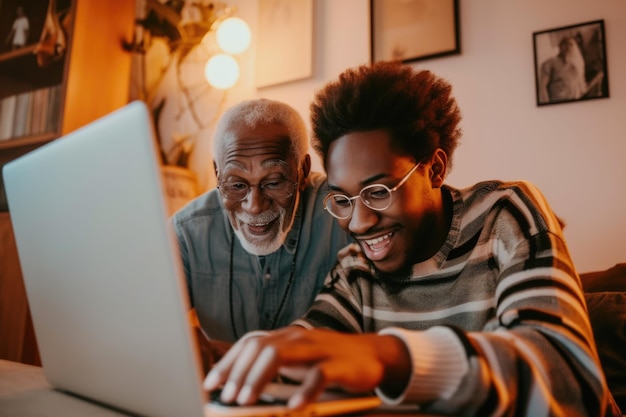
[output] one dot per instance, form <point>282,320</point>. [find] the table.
<point>25,392</point>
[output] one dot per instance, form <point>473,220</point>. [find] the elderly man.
<point>256,249</point>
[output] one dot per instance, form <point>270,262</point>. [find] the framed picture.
<point>570,63</point>
<point>284,41</point>
<point>414,30</point>
<point>21,23</point>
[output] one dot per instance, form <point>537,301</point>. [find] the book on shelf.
<point>30,103</point>
<point>21,112</point>
<point>35,112</point>
<point>39,111</point>
<point>30,113</point>
<point>45,97</point>
<point>7,115</point>
<point>54,109</point>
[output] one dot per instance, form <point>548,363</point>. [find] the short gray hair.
<point>265,111</point>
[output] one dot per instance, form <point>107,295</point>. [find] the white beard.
<point>262,248</point>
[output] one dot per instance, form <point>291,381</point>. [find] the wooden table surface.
<point>25,392</point>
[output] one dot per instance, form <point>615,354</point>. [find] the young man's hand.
<point>353,362</point>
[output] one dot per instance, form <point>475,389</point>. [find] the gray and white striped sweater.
<point>505,286</point>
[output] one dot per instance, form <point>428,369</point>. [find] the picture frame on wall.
<point>409,31</point>
<point>22,22</point>
<point>570,63</point>
<point>284,41</point>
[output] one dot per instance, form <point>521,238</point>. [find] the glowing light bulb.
<point>233,35</point>
<point>221,71</point>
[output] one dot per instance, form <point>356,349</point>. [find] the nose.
<point>255,201</point>
<point>363,218</point>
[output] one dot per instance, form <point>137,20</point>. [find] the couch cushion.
<point>612,279</point>
<point>607,312</point>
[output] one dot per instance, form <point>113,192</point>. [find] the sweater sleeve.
<point>538,355</point>
<point>541,349</point>
<point>439,364</point>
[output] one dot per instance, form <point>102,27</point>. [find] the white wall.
<point>575,152</point>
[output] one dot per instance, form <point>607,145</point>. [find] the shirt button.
<point>268,276</point>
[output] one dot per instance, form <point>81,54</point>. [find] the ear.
<point>438,168</point>
<point>305,168</point>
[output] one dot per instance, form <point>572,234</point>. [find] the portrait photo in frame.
<point>32,13</point>
<point>408,31</point>
<point>570,63</point>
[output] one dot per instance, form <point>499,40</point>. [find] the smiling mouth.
<point>378,243</point>
<point>258,224</point>
<point>260,228</point>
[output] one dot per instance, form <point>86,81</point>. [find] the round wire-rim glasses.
<point>236,191</point>
<point>375,196</point>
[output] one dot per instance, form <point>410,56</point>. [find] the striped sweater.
<point>496,321</point>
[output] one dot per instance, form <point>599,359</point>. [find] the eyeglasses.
<point>271,189</point>
<point>375,196</point>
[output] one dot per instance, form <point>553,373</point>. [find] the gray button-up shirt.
<point>205,237</point>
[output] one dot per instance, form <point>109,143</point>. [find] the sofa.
<point>605,293</point>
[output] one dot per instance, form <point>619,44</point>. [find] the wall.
<point>574,152</point>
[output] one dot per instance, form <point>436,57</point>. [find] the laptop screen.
<point>101,267</point>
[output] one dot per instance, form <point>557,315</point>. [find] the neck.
<point>438,227</point>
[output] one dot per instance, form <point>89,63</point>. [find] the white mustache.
<point>262,218</point>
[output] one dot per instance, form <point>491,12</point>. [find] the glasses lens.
<point>278,189</point>
<point>274,190</point>
<point>234,191</point>
<point>339,205</point>
<point>376,196</point>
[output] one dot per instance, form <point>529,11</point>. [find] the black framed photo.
<point>21,23</point>
<point>570,63</point>
<point>413,30</point>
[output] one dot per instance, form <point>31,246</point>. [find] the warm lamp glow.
<point>221,71</point>
<point>233,35</point>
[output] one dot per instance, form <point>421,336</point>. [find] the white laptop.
<point>103,275</point>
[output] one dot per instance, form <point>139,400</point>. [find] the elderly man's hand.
<point>355,363</point>
<point>211,351</point>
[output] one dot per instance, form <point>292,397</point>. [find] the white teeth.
<point>372,242</point>
<point>259,225</point>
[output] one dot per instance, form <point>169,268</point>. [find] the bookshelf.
<point>89,80</point>
<point>39,103</point>
<point>32,74</point>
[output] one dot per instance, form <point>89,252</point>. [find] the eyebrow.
<point>275,162</point>
<point>367,181</point>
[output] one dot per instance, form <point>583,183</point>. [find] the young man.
<point>256,249</point>
<point>460,301</point>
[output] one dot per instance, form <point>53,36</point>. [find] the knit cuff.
<point>439,363</point>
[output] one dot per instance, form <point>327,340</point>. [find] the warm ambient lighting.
<point>221,71</point>
<point>232,36</point>
<point>211,26</point>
